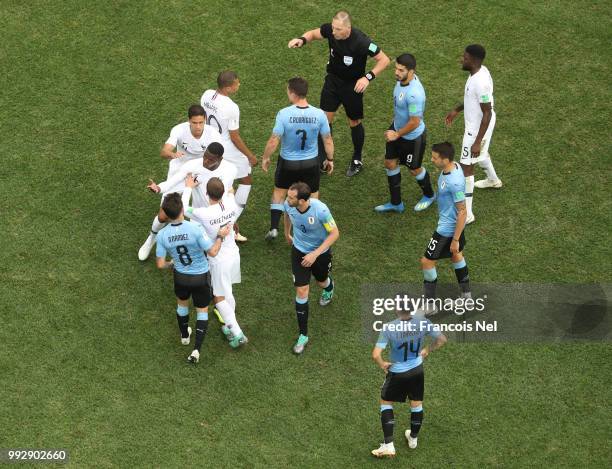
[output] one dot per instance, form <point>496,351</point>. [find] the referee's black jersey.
<point>348,57</point>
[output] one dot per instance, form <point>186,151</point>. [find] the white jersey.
<point>212,218</point>
<point>478,89</point>
<point>223,114</point>
<point>225,171</point>
<point>184,141</point>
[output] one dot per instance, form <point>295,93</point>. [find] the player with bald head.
<point>347,79</point>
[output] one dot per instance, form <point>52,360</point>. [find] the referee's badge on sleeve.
<point>348,60</point>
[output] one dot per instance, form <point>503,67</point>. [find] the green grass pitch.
<point>90,358</point>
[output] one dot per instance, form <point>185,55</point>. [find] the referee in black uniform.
<point>346,78</point>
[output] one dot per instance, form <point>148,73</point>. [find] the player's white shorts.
<point>240,161</point>
<point>224,273</point>
<point>468,140</point>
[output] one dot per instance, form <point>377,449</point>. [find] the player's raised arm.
<point>308,36</point>
<point>271,147</point>
<point>168,152</point>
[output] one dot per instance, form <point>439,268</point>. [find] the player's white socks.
<point>489,170</point>
<point>229,317</point>
<point>469,191</point>
<point>242,195</point>
<point>156,226</point>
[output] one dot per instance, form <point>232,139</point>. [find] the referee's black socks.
<point>301,311</point>
<point>394,178</point>
<point>358,137</point>
<point>416,419</point>
<point>387,421</point>
<point>201,327</point>
<point>276,212</point>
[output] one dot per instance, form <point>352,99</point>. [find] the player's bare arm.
<point>487,113</point>
<point>435,345</point>
<point>287,227</point>
<point>311,257</point>
<point>271,147</point>
<point>382,61</point>
<point>153,187</point>
<point>413,123</point>
<point>308,36</point>
<point>168,152</point>
<point>460,225</point>
<point>377,357</point>
<point>328,142</point>
<point>450,117</point>
<point>239,143</point>
<point>162,263</point>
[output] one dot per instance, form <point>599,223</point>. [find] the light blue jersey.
<point>310,228</point>
<point>407,338</point>
<point>408,101</point>
<point>186,243</point>
<point>451,189</point>
<point>299,129</point>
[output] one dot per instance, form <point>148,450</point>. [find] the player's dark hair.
<point>303,190</point>
<point>195,110</point>
<point>215,149</point>
<point>407,60</point>
<point>172,205</point>
<point>344,16</point>
<point>445,150</point>
<point>215,188</point>
<point>476,51</point>
<point>299,86</point>
<point>226,78</point>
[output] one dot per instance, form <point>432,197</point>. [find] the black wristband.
<point>370,75</point>
<point>304,41</point>
<point>220,237</point>
<point>329,159</point>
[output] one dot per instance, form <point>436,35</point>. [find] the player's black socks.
<point>429,283</point>
<point>463,277</point>
<point>425,183</point>
<point>182,316</point>
<point>394,178</point>
<point>387,420</point>
<point>329,287</point>
<point>416,419</point>
<point>276,212</point>
<point>301,311</point>
<point>201,327</point>
<point>358,137</point>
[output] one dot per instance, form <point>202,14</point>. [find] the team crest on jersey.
<point>401,96</point>
<point>348,61</point>
<point>311,220</point>
<point>443,185</point>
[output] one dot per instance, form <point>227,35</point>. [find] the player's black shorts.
<point>336,92</point>
<point>409,152</point>
<point>398,386</point>
<point>439,246</point>
<point>196,286</point>
<point>289,172</point>
<point>320,269</point>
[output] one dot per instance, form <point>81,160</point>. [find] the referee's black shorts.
<point>399,386</point>
<point>195,286</point>
<point>336,92</point>
<point>408,152</point>
<point>290,171</point>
